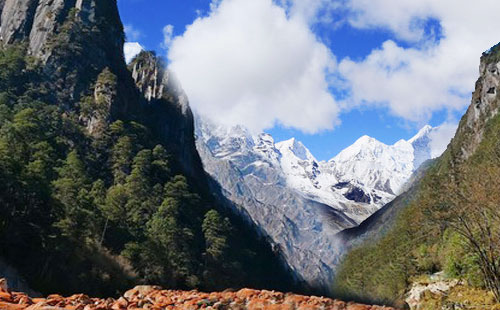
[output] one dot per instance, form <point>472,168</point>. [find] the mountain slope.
<point>438,223</point>
<point>298,202</point>
<point>248,173</point>
<point>101,185</point>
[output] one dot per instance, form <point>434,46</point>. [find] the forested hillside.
<point>450,222</point>
<point>100,187</point>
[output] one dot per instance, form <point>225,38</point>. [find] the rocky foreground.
<point>154,298</point>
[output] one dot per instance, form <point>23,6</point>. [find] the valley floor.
<point>154,298</point>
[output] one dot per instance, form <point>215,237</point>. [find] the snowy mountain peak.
<point>421,144</point>
<point>422,133</point>
<point>366,140</point>
<point>363,149</point>
<point>381,166</point>
<point>295,147</point>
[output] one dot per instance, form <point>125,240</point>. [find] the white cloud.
<point>441,137</point>
<point>168,32</point>
<point>132,33</point>
<point>433,73</point>
<point>249,63</point>
<point>259,64</point>
<point>131,49</point>
<point>312,11</point>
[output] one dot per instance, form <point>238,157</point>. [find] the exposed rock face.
<point>38,20</point>
<point>437,285</point>
<point>2,3</point>
<point>167,108</point>
<point>17,20</point>
<point>97,116</point>
<point>484,106</point>
<point>75,40</point>
<point>152,297</point>
<point>358,195</point>
<point>149,76</point>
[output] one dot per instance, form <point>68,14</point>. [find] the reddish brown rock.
<point>154,298</point>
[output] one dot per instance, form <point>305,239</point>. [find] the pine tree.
<point>216,232</point>
<point>121,158</point>
<point>139,189</point>
<point>71,190</point>
<point>173,228</point>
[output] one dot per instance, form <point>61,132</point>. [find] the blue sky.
<point>384,68</point>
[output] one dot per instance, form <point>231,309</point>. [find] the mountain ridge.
<point>292,197</point>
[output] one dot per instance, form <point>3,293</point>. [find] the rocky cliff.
<point>484,106</point>
<point>167,108</point>
<point>74,41</point>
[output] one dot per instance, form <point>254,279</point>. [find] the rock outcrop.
<point>166,107</point>
<point>484,106</point>
<point>152,297</point>
<point>437,284</point>
<point>74,41</point>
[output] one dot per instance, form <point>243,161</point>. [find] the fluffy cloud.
<point>251,63</point>
<point>435,72</point>
<point>131,49</point>
<point>312,11</point>
<point>440,137</point>
<point>259,64</point>
<point>168,32</point>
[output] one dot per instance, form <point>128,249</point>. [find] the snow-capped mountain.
<point>300,203</point>
<point>369,172</point>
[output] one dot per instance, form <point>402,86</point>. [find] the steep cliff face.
<point>41,20</point>
<point>78,41</point>
<point>166,107</point>
<point>74,40</point>
<point>484,106</point>
<point>17,20</point>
